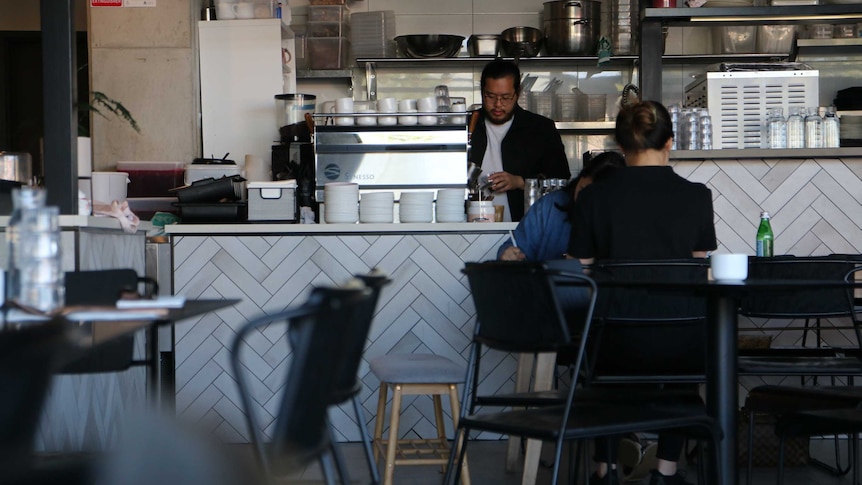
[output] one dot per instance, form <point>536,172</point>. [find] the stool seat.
<point>416,369</point>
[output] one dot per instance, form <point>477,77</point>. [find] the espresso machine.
<point>293,157</point>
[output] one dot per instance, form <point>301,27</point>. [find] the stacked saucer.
<point>416,207</point>
<point>340,199</point>
<point>376,207</point>
<point>450,205</point>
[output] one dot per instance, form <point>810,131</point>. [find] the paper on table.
<point>97,315</point>
<point>160,302</point>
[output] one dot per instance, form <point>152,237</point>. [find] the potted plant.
<point>102,105</point>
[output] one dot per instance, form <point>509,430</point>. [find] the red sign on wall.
<point>106,3</point>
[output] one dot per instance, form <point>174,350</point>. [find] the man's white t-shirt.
<point>493,161</point>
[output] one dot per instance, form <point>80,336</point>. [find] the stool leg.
<point>453,402</point>
<point>378,421</point>
<point>441,426</point>
<point>392,444</point>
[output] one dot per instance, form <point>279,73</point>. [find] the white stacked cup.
<point>377,207</point>
<point>427,104</point>
<point>416,207</point>
<point>341,203</point>
<point>387,105</point>
<point>407,106</point>
<point>344,105</point>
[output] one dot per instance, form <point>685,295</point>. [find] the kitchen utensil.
<point>572,27</point>
<point>208,190</point>
<point>212,211</point>
<point>483,45</point>
<point>429,45</point>
<point>520,42</point>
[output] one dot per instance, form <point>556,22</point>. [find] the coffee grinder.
<point>293,157</point>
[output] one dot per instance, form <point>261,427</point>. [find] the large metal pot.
<point>17,167</point>
<point>572,27</point>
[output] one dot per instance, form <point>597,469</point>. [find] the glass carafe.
<point>22,199</point>
<point>796,128</point>
<point>831,129</point>
<point>813,128</point>
<point>777,128</point>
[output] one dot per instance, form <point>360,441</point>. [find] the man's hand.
<point>504,181</point>
<point>512,254</point>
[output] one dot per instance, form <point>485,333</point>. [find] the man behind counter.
<point>512,144</point>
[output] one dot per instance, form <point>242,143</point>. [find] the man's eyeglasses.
<point>503,99</point>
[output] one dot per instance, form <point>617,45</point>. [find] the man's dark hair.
<point>498,69</point>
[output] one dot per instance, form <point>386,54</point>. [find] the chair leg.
<point>453,402</point>
<point>326,466</point>
<point>340,464</point>
<point>453,456</point>
<point>392,441</point>
<point>780,459</point>
<point>378,421</point>
<point>366,441</point>
<point>750,449</point>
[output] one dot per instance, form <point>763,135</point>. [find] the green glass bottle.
<point>764,236</point>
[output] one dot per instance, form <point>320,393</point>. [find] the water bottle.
<point>795,128</point>
<point>813,127</point>
<point>22,198</point>
<point>765,237</point>
<point>831,129</point>
<point>777,128</point>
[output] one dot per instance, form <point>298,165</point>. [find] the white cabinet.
<point>241,72</point>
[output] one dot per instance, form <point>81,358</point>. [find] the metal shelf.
<point>590,126</point>
<point>754,153</point>
<point>481,61</point>
<point>324,73</point>
<point>796,14</point>
<point>717,58</point>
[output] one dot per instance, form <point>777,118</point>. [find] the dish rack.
<point>738,101</point>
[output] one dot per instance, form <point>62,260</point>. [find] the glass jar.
<point>39,259</point>
<point>795,128</point>
<point>22,198</point>
<point>777,128</point>
<point>813,128</point>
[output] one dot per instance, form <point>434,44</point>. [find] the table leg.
<point>153,365</point>
<point>544,379</point>
<point>722,394</point>
<point>522,384</point>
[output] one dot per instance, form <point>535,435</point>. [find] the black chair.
<point>348,384</point>
<point>316,330</point>
<point>809,402</point>
<point>104,288</point>
<point>28,358</point>
<point>518,310</point>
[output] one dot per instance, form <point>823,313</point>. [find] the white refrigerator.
<point>241,72</point>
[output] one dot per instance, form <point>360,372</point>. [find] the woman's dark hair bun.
<point>642,126</point>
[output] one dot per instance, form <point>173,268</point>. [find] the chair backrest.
<point>648,335</point>
<point>316,330</point>
<point>101,288</point>
<point>28,358</point>
<point>808,303</point>
<point>517,308</point>
<point>355,337</point>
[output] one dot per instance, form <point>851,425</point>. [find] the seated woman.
<point>644,211</point>
<point>544,231</point>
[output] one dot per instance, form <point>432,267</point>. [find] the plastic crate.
<point>738,101</point>
<point>152,179</point>
<point>327,52</point>
<point>328,13</point>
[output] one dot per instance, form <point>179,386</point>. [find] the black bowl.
<point>420,46</point>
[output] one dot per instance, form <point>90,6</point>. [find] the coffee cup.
<point>729,267</point>
<point>407,105</point>
<point>243,10</point>
<point>224,11</point>
<point>427,104</point>
<point>327,107</point>
<point>387,105</point>
<point>367,120</point>
<point>344,105</point>
<point>409,119</point>
<point>387,120</point>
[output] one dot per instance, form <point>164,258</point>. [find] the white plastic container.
<point>272,201</point>
<point>480,211</point>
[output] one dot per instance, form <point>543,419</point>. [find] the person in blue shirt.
<point>543,233</point>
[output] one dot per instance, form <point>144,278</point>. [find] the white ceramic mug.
<point>243,10</point>
<point>327,107</point>
<point>387,120</point>
<point>407,105</point>
<point>409,119</point>
<point>729,267</point>
<point>109,186</point>
<point>427,104</point>
<point>367,120</point>
<point>224,11</point>
<point>344,105</point>
<point>387,105</point>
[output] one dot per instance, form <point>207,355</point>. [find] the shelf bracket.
<point>371,80</point>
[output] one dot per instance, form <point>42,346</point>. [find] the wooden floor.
<point>486,467</point>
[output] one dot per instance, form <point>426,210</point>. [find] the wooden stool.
<point>415,374</point>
